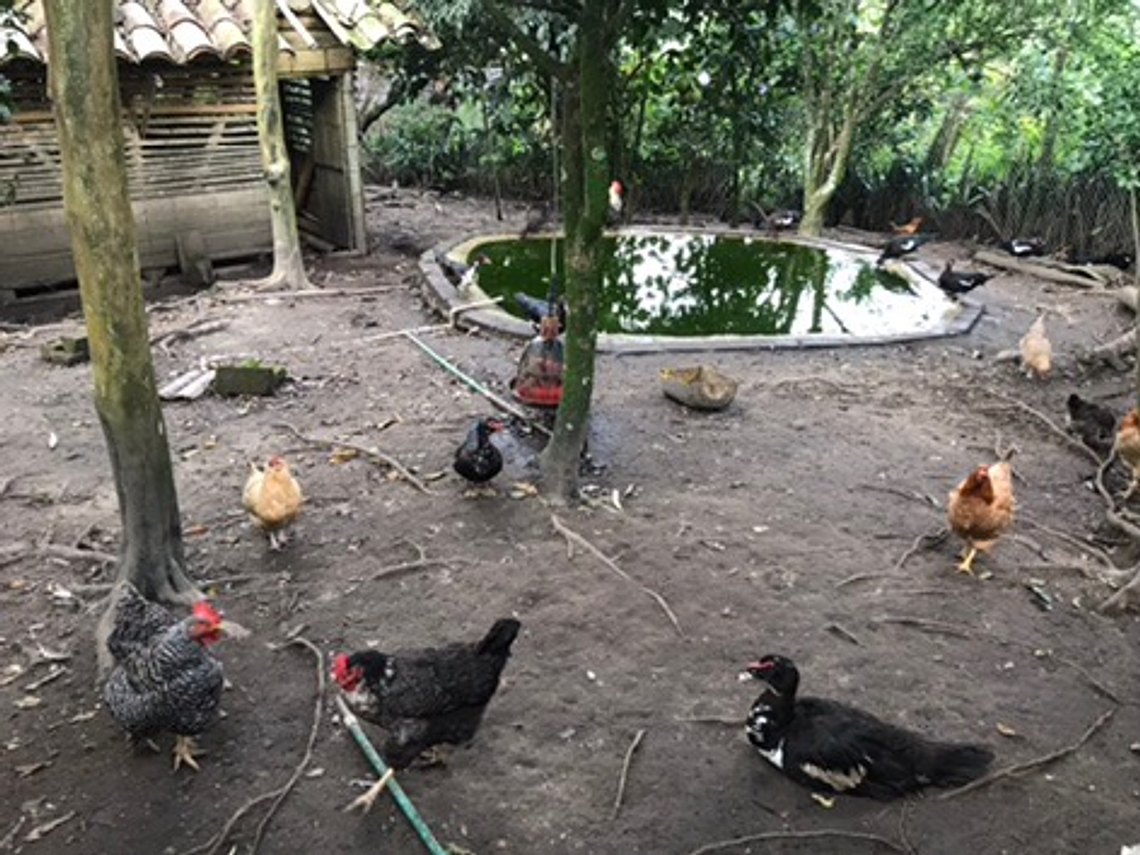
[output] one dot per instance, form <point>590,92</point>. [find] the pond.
<point>688,284</point>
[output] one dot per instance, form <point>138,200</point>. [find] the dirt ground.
<point>777,525</point>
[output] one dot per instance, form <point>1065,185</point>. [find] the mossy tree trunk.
<point>85,93</point>
<point>586,198</point>
<point>288,263</point>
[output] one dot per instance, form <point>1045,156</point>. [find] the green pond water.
<point>692,285</point>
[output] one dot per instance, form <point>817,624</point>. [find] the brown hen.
<point>981,509</point>
<point>273,498</point>
<point>1128,446</point>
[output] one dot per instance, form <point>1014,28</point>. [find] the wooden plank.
<point>232,225</point>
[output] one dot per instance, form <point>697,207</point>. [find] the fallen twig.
<point>359,449</point>
<point>816,834</point>
<point>421,563</point>
<point>844,633</point>
<point>44,829</point>
<point>307,293</point>
<point>1029,765</point>
<point>573,537</point>
<point>214,844</point>
<point>923,541</point>
<point>629,752</point>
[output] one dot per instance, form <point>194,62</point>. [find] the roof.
<point>180,31</point>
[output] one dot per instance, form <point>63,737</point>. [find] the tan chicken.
<point>980,509</point>
<point>273,498</point>
<point>1036,350</point>
<point>1128,446</point>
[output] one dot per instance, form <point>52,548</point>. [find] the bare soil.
<point>777,525</point>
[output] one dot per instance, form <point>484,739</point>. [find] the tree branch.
<point>524,41</point>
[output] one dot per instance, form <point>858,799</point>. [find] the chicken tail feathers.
<point>951,765</point>
<point>498,641</point>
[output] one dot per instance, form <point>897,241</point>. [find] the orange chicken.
<point>1128,446</point>
<point>273,498</point>
<point>1036,350</point>
<point>980,509</point>
<point>908,228</point>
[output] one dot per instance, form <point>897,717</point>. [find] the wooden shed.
<point>190,124</point>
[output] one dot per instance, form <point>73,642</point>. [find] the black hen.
<point>163,679</point>
<point>954,282</point>
<point>1093,423</point>
<point>901,245</point>
<point>829,745</point>
<point>429,697</point>
<point>477,459</point>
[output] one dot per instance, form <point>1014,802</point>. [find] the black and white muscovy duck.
<point>477,460</point>
<point>782,221</point>
<point>1023,247</point>
<point>1119,259</point>
<point>829,745</point>
<point>954,282</point>
<point>901,245</point>
<point>461,274</point>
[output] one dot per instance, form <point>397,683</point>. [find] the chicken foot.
<point>966,565</point>
<point>185,750</point>
<point>364,801</point>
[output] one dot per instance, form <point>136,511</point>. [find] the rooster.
<point>273,498</point>
<point>910,227</point>
<point>826,744</point>
<point>477,459</point>
<point>980,509</point>
<point>164,678</point>
<point>424,698</point>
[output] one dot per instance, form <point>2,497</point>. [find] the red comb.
<point>340,667</point>
<point>204,611</point>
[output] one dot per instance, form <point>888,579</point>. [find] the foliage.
<point>418,143</point>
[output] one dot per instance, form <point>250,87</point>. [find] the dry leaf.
<point>28,702</point>
<point>823,801</point>
<point>343,455</point>
<point>1005,729</point>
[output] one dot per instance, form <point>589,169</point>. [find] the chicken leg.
<point>185,750</point>
<point>966,565</point>
<point>364,802</point>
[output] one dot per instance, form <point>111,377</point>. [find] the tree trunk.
<point>288,264</point>
<point>825,166</point>
<point>84,88</point>
<point>584,192</point>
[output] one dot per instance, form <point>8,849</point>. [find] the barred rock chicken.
<point>164,678</point>
<point>1036,349</point>
<point>1128,447</point>
<point>273,498</point>
<point>826,744</point>
<point>424,698</point>
<point>980,509</point>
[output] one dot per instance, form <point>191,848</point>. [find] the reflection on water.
<point>687,285</point>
